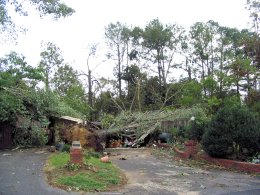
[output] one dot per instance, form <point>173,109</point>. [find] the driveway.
<point>150,175</point>
<point>21,172</point>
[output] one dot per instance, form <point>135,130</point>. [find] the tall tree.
<point>254,8</point>
<point>161,42</point>
<point>117,37</point>
<point>51,59</point>
<point>201,37</point>
<point>134,77</point>
<point>64,78</point>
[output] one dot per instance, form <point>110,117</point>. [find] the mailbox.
<point>76,144</point>
<point>76,153</point>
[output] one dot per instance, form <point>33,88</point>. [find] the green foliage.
<point>53,7</point>
<point>9,29</point>
<point>51,60</point>
<point>213,104</point>
<point>160,42</point>
<point>28,108</point>
<point>190,93</point>
<point>196,129</point>
<point>30,132</point>
<point>230,101</point>
<point>89,154</point>
<point>151,121</point>
<point>66,148</point>
<point>9,105</point>
<point>38,132</point>
<point>107,120</point>
<point>210,85</point>
<point>232,129</point>
<point>253,101</point>
<point>179,134</point>
<point>14,71</point>
<point>104,103</point>
<point>76,99</point>
<point>72,167</point>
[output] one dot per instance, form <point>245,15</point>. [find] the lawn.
<point>92,176</point>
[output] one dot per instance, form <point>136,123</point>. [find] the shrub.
<point>196,129</point>
<point>232,130</point>
<point>66,148</point>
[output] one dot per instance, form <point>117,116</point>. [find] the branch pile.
<point>139,125</point>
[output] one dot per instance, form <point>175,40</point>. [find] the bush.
<point>196,130</point>
<point>231,131</point>
<point>66,148</point>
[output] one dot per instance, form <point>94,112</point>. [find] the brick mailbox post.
<point>76,153</point>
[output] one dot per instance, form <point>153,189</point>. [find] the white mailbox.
<point>76,144</point>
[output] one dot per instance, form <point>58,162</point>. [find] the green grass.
<point>83,182</point>
<point>59,160</point>
<point>101,178</point>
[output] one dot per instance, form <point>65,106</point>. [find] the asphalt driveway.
<point>21,172</point>
<point>150,175</point>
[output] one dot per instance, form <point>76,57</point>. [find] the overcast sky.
<point>86,26</point>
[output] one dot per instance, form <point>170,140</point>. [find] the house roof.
<point>77,120</point>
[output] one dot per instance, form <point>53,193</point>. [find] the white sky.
<point>86,26</point>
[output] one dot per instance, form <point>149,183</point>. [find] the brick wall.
<point>191,152</point>
<point>76,155</point>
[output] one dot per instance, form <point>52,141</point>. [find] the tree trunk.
<point>159,67</point>
<point>90,94</point>
<point>203,77</point>
<point>138,95</point>
<point>188,68</point>
<point>221,71</point>
<point>47,82</point>
<point>119,73</point>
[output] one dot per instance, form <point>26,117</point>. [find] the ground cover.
<point>93,175</point>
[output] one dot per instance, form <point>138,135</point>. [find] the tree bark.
<point>119,72</point>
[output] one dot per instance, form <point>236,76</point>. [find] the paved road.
<point>21,172</point>
<point>149,175</point>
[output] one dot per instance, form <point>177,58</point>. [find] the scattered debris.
<point>104,159</point>
<point>256,159</point>
<point>16,148</point>
<point>39,152</point>
<point>6,154</point>
<point>202,186</point>
<point>52,149</point>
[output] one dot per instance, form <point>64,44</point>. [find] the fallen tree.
<point>139,126</point>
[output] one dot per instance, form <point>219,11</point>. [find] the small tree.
<point>232,130</point>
